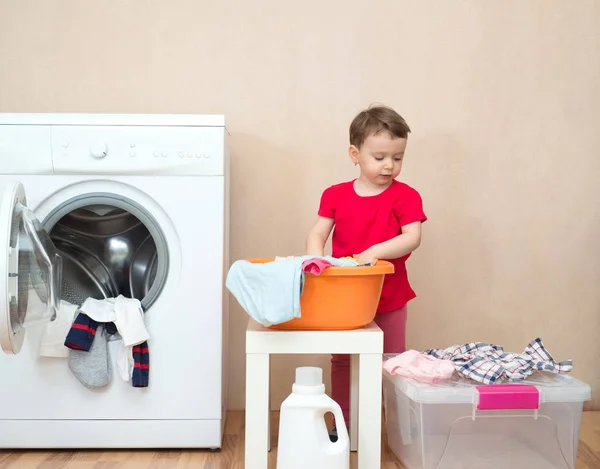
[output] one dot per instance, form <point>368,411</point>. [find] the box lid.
<point>459,390</point>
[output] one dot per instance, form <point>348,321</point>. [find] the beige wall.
<point>502,97</point>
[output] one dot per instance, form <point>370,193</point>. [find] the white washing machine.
<point>102,205</point>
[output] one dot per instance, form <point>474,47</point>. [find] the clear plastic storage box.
<point>459,424</point>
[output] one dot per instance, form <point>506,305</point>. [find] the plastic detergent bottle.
<point>303,437</point>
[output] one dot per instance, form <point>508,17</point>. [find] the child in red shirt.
<point>375,217</point>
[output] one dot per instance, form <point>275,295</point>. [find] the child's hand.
<point>366,257</point>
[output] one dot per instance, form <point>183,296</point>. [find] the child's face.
<point>380,158</point>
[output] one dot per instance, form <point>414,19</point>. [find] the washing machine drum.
<point>106,252</point>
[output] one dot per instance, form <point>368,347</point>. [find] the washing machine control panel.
<point>143,150</point>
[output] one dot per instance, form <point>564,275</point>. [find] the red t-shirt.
<point>361,222</point>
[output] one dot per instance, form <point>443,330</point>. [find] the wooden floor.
<point>232,455</point>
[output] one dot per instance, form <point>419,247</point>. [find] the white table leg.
<point>269,409</point>
<point>257,411</point>
<point>369,411</point>
<point>353,402</point>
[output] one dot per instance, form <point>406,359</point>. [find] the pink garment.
<point>315,266</point>
<point>420,367</point>
<point>393,325</point>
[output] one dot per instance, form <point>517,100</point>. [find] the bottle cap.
<point>309,379</point>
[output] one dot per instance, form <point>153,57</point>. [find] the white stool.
<point>366,349</point>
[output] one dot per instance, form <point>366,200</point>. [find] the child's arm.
<point>401,245</point>
<point>317,236</point>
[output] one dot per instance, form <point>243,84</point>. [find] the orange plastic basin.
<point>340,298</point>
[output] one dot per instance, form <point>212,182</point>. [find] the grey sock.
<point>92,368</point>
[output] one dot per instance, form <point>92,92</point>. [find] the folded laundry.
<point>420,367</point>
<point>270,292</point>
<point>488,363</point>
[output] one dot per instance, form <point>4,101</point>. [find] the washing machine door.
<point>30,270</point>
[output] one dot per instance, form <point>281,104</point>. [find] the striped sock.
<point>82,333</point>
<point>141,367</point>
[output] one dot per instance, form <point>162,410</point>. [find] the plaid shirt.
<point>488,363</point>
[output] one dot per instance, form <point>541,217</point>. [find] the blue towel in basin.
<point>270,292</point>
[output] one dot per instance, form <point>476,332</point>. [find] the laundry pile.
<point>478,361</point>
<point>81,335</point>
<point>270,292</point>
<point>415,365</point>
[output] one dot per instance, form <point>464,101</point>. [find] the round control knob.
<point>98,150</point>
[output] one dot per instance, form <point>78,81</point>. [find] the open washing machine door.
<point>30,273</point>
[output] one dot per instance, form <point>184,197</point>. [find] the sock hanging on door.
<point>82,333</point>
<point>92,368</point>
<point>81,339</point>
<point>88,355</point>
<point>141,366</point>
